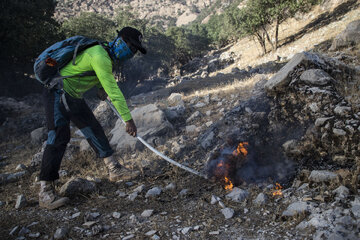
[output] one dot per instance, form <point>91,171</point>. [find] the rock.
<point>214,199</point>
<point>186,230</point>
<point>227,212</point>
<point>147,213</point>
<point>208,140</point>
<point>150,233</point>
<point>75,215</point>
<point>77,186</point>
<point>128,237</point>
<point>175,99</point>
<point>350,36</point>
<point>261,199</point>
<point>322,176</point>
<point>214,233</point>
<point>11,177</point>
<point>20,167</point>
<point>341,192</point>
<point>175,113</point>
<point>36,159</point>
<point>190,129</point>
<point>342,110</point>
<point>20,202</point>
<point>38,135</point>
<point>140,188</point>
<point>34,235</point>
<point>23,231</point>
<point>355,207</point>
<point>194,116</point>
<point>314,107</point>
<point>317,77</point>
<point>339,132</point>
<point>155,237</point>
<point>170,187</point>
<point>60,233</point>
<point>155,191</point>
<point>319,122</point>
<point>199,105</point>
<point>237,195</point>
<point>151,123</point>
<point>132,196</point>
<point>116,215</point>
<point>104,115</point>
<point>295,209</point>
<point>85,146</point>
<point>183,192</point>
<point>89,224</point>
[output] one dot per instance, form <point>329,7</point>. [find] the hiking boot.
<point>118,172</point>
<point>48,198</point>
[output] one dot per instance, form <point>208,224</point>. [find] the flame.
<point>277,191</point>
<point>241,149</point>
<point>228,184</point>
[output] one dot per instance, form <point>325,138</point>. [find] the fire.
<point>241,149</point>
<point>278,191</point>
<point>228,184</point>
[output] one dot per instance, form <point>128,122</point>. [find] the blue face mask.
<point>120,50</point>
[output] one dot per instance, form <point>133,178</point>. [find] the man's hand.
<point>101,94</point>
<point>131,128</point>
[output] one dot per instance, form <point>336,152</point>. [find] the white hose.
<point>156,151</point>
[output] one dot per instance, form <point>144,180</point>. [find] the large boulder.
<point>350,36</point>
<point>104,115</point>
<point>151,124</point>
<point>77,186</point>
<point>38,135</point>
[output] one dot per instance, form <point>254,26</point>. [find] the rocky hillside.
<point>163,12</point>
<point>278,142</point>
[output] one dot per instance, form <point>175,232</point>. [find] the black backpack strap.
<point>75,53</point>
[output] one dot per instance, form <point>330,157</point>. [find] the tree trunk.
<point>261,39</point>
<point>268,37</point>
<point>277,32</point>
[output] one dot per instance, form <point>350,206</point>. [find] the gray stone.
<point>174,113</point>
<point>319,122</point>
<point>355,207</point>
<point>38,135</point>
<point>128,237</point>
<point>322,176</point>
<point>104,115</point>
<point>20,167</point>
<point>296,208</point>
<point>85,146</point>
<point>36,159</point>
<point>60,233</point>
<point>34,235</point>
<point>194,116</point>
<point>237,195</point>
<point>339,132</point>
<point>175,99</point>
<point>186,230</point>
<point>23,231</point>
<point>341,192</point>
<point>13,230</point>
<point>155,237</point>
<point>190,129</point>
<point>350,36</point>
<point>261,199</point>
<point>20,201</point>
<point>280,81</point>
<point>208,140</point>
<point>155,191</point>
<point>76,186</point>
<point>200,105</point>
<point>11,177</point>
<point>317,77</point>
<point>342,110</point>
<point>132,196</point>
<point>227,212</point>
<point>150,233</point>
<point>314,107</point>
<point>147,213</point>
<point>150,122</point>
<point>170,187</point>
<point>183,192</point>
<point>140,188</point>
<point>116,215</point>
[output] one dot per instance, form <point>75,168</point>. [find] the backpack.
<point>48,64</point>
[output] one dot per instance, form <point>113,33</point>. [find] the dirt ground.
<point>173,213</point>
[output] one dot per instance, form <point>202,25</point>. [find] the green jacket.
<point>95,59</point>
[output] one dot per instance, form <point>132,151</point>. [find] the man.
<point>63,106</point>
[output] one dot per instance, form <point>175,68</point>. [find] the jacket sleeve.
<point>103,68</point>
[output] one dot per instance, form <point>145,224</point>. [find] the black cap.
<point>134,36</point>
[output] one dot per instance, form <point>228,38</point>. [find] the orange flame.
<point>278,191</point>
<point>228,184</point>
<point>241,149</point>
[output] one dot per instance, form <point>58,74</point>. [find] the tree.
<point>27,28</point>
<point>90,25</point>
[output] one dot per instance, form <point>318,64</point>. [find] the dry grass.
<point>242,87</point>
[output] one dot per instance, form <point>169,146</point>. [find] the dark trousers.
<point>58,123</point>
